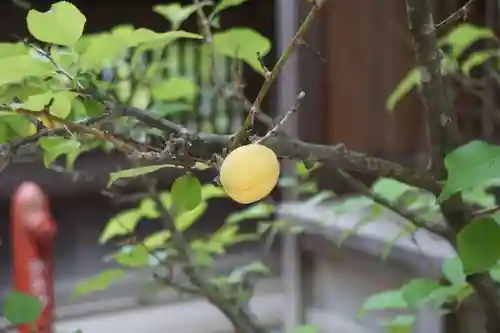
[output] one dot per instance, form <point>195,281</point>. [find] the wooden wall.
<point>368,50</point>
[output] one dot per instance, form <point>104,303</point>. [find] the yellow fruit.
<point>249,173</point>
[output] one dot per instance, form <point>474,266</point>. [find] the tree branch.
<point>442,136</point>
<point>441,124</point>
<point>229,306</point>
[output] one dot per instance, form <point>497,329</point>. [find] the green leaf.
<point>478,196</point>
<point>121,224</point>
<point>416,292</point>
<point>453,271</point>
<point>62,24</point>
<point>177,14</point>
<point>411,80</point>
<point>256,211</point>
<point>186,193</point>
<point>225,4</point>
<point>61,106</point>
<point>16,68</point>
<point>239,273</point>
<point>478,245</point>
<point>110,46</point>
<point>56,146</point>
<point>132,256</point>
<point>101,48</point>
<point>463,36</point>
<point>20,308</point>
<point>188,218</point>
<point>175,88</point>
<point>392,299</point>
<point>403,195</point>
<point>20,124</point>
<point>147,39</point>
<point>477,59</point>
<point>37,102</point>
<point>243,44</point>
<point>157,240</point>
<point>99,282</point>
<point>455,293</point>
<point>13,49</point>
<point>136,172</point>
<point>400,324</point>
<point>471,165</point>
<point>210,191</point>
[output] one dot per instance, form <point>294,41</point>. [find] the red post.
<point>33,232</point>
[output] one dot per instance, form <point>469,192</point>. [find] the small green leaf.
<point>20,124</point>
<point>244,44</point>
<point>478,245</point>
<point>177,14</point>
<point>301,169</point>
<point>225,4</point>
<point>175,88</point>
<point>186,193</point>
<point>56,146</point>
<point>16,68</point>
<point>157,240</point>
<point>136,172</point>
<point>146,39</point>
<point>99,282</point>
<point>133,257</point>
<point>122,224</point>
<point>392,299</point>
<point>453,271</point>
<point>477,59</point>
<point>455,293</point>
<point>62,24</point>
<point>13,49</point>
<point>463,36</point>
<point>259,210</point>
<point>20,308</point>
<point>255,267</point>
<point>411,80</point>
<point>471,165</point>
<point>416,292</point>
<point>400,324</point>
<point>61,106</point>
<point>478,196</point>
<point>210,191</point>
<point>37,102</point>
<point>188,218</point>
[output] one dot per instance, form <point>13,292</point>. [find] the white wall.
<point>195,316</point>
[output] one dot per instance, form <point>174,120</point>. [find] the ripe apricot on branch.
<point>249,173</point>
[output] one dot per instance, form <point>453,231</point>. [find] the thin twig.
<point>269,79</point>
<point>457,15</point>
<point>288,114</point>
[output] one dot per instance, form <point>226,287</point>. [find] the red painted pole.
<point>33,232</point>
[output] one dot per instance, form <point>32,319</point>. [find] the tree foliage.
<point>53,98</point>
